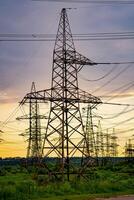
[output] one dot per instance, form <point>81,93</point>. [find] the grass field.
<point>18,183</point>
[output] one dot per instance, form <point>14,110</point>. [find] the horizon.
<point>25,62</point>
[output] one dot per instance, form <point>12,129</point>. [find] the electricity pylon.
<point>89,130</point>
<point>107,151</point>
<point>114,145</point>
<point>129,149</point>
<point>101,139</point>
<point>33,133</point>
<point>65,120</point>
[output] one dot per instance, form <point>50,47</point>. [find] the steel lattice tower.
<point>35,143</point>
<point>129,149</point>
<point>33,134</point>
<point>65,120</point>
<point>89,130</point>
<point>107,150</point>
<point>114,144</point>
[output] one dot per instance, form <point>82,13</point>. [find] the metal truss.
<point>65,136</point>
<point>33,134</point>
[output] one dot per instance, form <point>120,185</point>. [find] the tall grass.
<point>24,186</point>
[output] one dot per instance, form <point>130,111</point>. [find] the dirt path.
<point>130,197</point>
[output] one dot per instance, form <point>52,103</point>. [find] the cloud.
<point>9,100</point>
<point>12,142</point>
<point>5,98</point>
<point>118,95</point>
<point>22,63</point>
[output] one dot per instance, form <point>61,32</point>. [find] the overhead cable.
<point>119,114</point>
<point>52,35</point>
<point>102,77</point>
<point>118,95</point>
<point>129,84</point>
<point>53,40</point>
<point>10,116</point>
<point>117,104</point>
<point>113,78</point>
<point>77,36</point>
<point>121,122</point>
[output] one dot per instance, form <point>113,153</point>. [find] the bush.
<point>23,186</point>
<point>2,172</point>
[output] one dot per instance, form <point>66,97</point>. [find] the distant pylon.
<point>107,149</point>
<point>34,141</point>
<point>33,133</point>
<point>65,120</point>
<point>89,130</point>
<point>129,149</point>
<point>99,141</point>
<point>114,144</point>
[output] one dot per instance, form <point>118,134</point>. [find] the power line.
<point>75,39</point>
<point>119,114</point>
<point>125,131</point>
<point>30,37</point>
<point>112,79</point>
<point>52,35</point>
<point>13,113</point>
<point>13,128</point>
<point>105,33</point>
<point>98,79</point>
<point>117,95</point>
<point>119,123</point>
<point>117,104</point>
<point>124,111</point>
<point>130,84</point>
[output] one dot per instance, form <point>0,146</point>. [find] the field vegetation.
<point>20,183</point>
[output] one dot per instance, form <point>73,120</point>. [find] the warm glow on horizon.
<point>21,63</point>
<point>14,145</point>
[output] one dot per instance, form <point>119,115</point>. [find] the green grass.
<point>20,184</point>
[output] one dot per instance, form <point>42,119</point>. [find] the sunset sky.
<point>21,63</point>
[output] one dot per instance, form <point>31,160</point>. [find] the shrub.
<point>2,172</point>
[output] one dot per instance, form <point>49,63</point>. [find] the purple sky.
<point>24,62</point>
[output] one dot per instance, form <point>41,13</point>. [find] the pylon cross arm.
<point>85,97</point>
<point>44,96</point>
<point>82,60</point>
